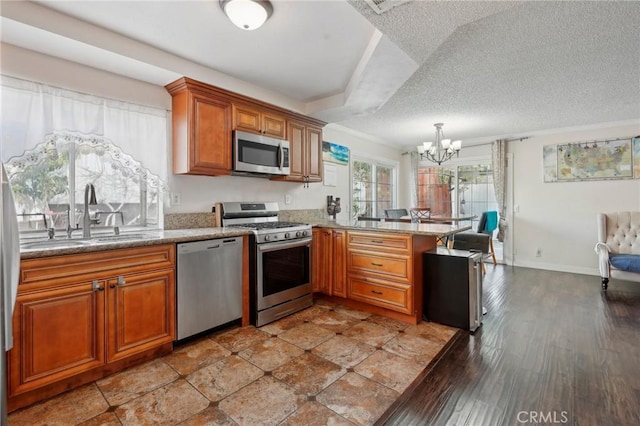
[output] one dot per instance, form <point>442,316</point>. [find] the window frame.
<point>374,162</point>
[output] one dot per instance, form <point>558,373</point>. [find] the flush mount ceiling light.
<point>440,151</point>
<point>247,14</point>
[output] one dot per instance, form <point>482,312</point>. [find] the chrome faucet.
<point>89,200</point>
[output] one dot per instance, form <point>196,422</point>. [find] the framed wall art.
<point>592,160</point>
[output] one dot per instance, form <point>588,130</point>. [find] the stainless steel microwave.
<point>259,154</point>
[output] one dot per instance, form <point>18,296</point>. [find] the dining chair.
<point>420,214</point>
<point>487,225</point>
<point>395,213</point>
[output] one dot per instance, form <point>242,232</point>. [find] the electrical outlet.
<point>176,199</point>
<point>539,252</point>
<point>287,199</point>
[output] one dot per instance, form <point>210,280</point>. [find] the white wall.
<point>560,218</point>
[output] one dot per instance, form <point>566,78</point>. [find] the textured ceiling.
<point>530,67</point>
<point>486,69</point>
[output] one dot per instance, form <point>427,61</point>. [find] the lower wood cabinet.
<point>141,313</point>
<point>379,271</point>
<point>77,316</point>
<point>58,333</point>
<point>329,262</point>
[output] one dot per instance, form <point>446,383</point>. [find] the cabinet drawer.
<point>376,240</point>
<point>397,297</point>
<point>393,267</point>
<point>48,271</point>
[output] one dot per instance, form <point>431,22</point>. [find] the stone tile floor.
<point>328,364</point>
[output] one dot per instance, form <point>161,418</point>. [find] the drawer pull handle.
<point>96,286</point>
<point>377,241</point>
<point>377,264</point>
<point>121,281</point>
<point>376,292</point>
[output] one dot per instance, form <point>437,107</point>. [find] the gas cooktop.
<point>268,225</point>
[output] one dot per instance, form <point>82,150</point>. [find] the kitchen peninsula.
<point>375,266</point>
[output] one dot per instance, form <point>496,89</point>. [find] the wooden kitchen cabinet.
<point>255,120</point>
<point>201,131</point>
<point>379,270</point>
<point>79,317</point>
<point>385,270</point>
<point>58,333</point>
<point>204,116</point>
<point>141,312</point>
<point>328,262</point>
<point>305,155</point>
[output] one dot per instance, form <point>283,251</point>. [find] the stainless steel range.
<point>280,260</point>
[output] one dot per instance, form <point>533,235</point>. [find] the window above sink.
<point>56,141</point>
<point>51,178</point>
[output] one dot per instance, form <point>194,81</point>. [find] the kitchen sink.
<point>41,244</point>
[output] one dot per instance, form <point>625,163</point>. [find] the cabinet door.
<point>273,125</point>
<point>313,155</point>
<point>339,263</point>
<point>322,261</point>
<point>58,333</point>
<point>210,145</point>
<point>296,132</point>
<point>140,312</point>
<point>246,118</point>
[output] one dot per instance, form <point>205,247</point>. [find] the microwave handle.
<point>281,155</point>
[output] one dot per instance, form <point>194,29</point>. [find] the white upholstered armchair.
<point>618,246</point>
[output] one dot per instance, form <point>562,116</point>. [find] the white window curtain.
<point>414,165</point>
<point>31,111</point>
<point>499,164</point>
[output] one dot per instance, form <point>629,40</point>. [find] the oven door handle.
<point>282,245</point>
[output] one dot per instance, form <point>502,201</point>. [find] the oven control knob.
<point>304,233</point>
<point>298,233</point>
<point>287,235</point>
<point>266,238</point>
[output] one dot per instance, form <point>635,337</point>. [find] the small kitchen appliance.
<point>279,260</point>
<point>259,155</point>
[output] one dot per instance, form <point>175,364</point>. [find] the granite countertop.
<point>434,229</point>
<point>41,247</point>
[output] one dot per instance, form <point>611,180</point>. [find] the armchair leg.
<point>605,283</point>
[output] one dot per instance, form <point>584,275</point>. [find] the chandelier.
<point>441,150</point>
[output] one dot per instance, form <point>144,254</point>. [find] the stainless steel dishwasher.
<point>209,285</point>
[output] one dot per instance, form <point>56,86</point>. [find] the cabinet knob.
<point>96,286</point>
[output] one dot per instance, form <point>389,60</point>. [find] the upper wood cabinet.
<point>201,132</point>
<point>305,155</point>
<point>204,117</point>
<point>258,121</point>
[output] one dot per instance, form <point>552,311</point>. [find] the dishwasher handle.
<point>207,245</point>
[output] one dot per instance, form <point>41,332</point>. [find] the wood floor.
<point>554,349</point>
